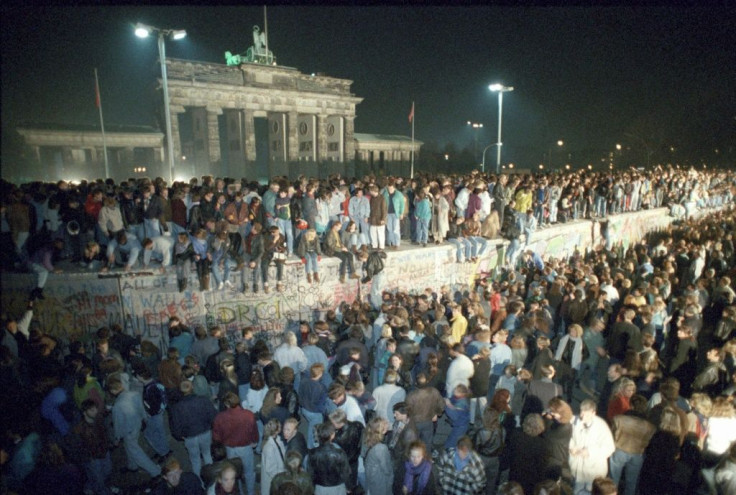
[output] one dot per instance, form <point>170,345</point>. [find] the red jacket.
<point>235,427</point>
<point>92,207</point>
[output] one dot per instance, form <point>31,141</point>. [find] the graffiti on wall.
<point>77,304</point>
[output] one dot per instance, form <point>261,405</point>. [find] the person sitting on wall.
<point>334,247</point>
<point>310,252</point>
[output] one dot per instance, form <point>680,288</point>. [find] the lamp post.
<point>501,89</point>
<point>143,31</point>
<point>560,143</point>
<point>483,165</point>
<point>476,126</point>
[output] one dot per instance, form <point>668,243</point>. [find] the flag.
<point>411,114</point>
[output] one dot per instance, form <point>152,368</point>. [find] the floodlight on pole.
<point>143,31</point>
<point>500,89</point>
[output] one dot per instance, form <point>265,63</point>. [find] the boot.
<point>266,289</point>
<point>342,279</point>
<point>316,277</point>
<point>181,283</point>
<point>309,278</point>
<point>255,288</point>
<point>204,283</point>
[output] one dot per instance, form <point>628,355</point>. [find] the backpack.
<point>154,398</point>
<point>488,443</point>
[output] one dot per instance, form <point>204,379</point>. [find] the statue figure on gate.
<point>259,41</point>
<point>258,53</point>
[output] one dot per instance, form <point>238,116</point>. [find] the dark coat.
<point>481,378</point>
<point>191,416</point>
<point>379,210</point>
<point>526,455</point>
<point>328,465</point>
<point>557,439</point>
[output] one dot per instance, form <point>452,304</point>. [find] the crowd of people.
<point>221,226</point>
<point>610,372</point>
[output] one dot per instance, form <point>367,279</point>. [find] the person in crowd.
<point>379,472</point>
<point>176,481</point>
<point>272,457</point>
<point>460,470</point>
<point>395,211</point>
<point>128,415</point>
<point>489,442</point>
<point>457,410</point>
<point>274,250</point>
<point>590,447</point>
<point>631,434</point>
<point>348,436</point>
<point>191,421</point>
<point>527,450</point>
<point>294,475</point>
<point>92,446</point>
<point>226,482</point>
<point>154,403</point>
<point>310,251</point>
<point>334,247</point>
<point>328,464</point>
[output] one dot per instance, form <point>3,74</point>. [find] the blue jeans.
<point>286,228</point>
<point>457,431</point>
<point>463,247</point>
<point>422,230</point>
<point>155,434</point>
<point>622,462</point>
<point>217,272</point>
<point>600,206</point>
<point>313,419</point>
<point>393,230</point>
<point>199,448</point>
<point>43,274</point>
<point>478,246</point>
<point>137,458</point>
<point>245,454</point>
<point>311,266</point>
<point>98,470</point>
<point>512,251</point>
<point>151,227</point>
<point>426,433</point>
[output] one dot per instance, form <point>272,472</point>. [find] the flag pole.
<point>98,102</point>
<point>265,29</point>
<point>412,140</point>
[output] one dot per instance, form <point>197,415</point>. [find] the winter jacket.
<point>328,465</point>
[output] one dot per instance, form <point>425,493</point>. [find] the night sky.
<point>589,76</point>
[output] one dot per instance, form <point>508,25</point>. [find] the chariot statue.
<point>256,54</point>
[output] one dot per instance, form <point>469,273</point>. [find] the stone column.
<point>250,136</point>
<point>213,134</point>
<point>292,137</point>
<point>175,138</point>
<point>321,138</point>
<point>349,138</point>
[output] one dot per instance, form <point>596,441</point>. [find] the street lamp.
<point>483,164</point>
<point>143,31</point>
<point>500,89</point>
<point>560,143</point>
<point>475,126</point>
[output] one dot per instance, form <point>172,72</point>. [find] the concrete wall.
<point>77,304</point>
